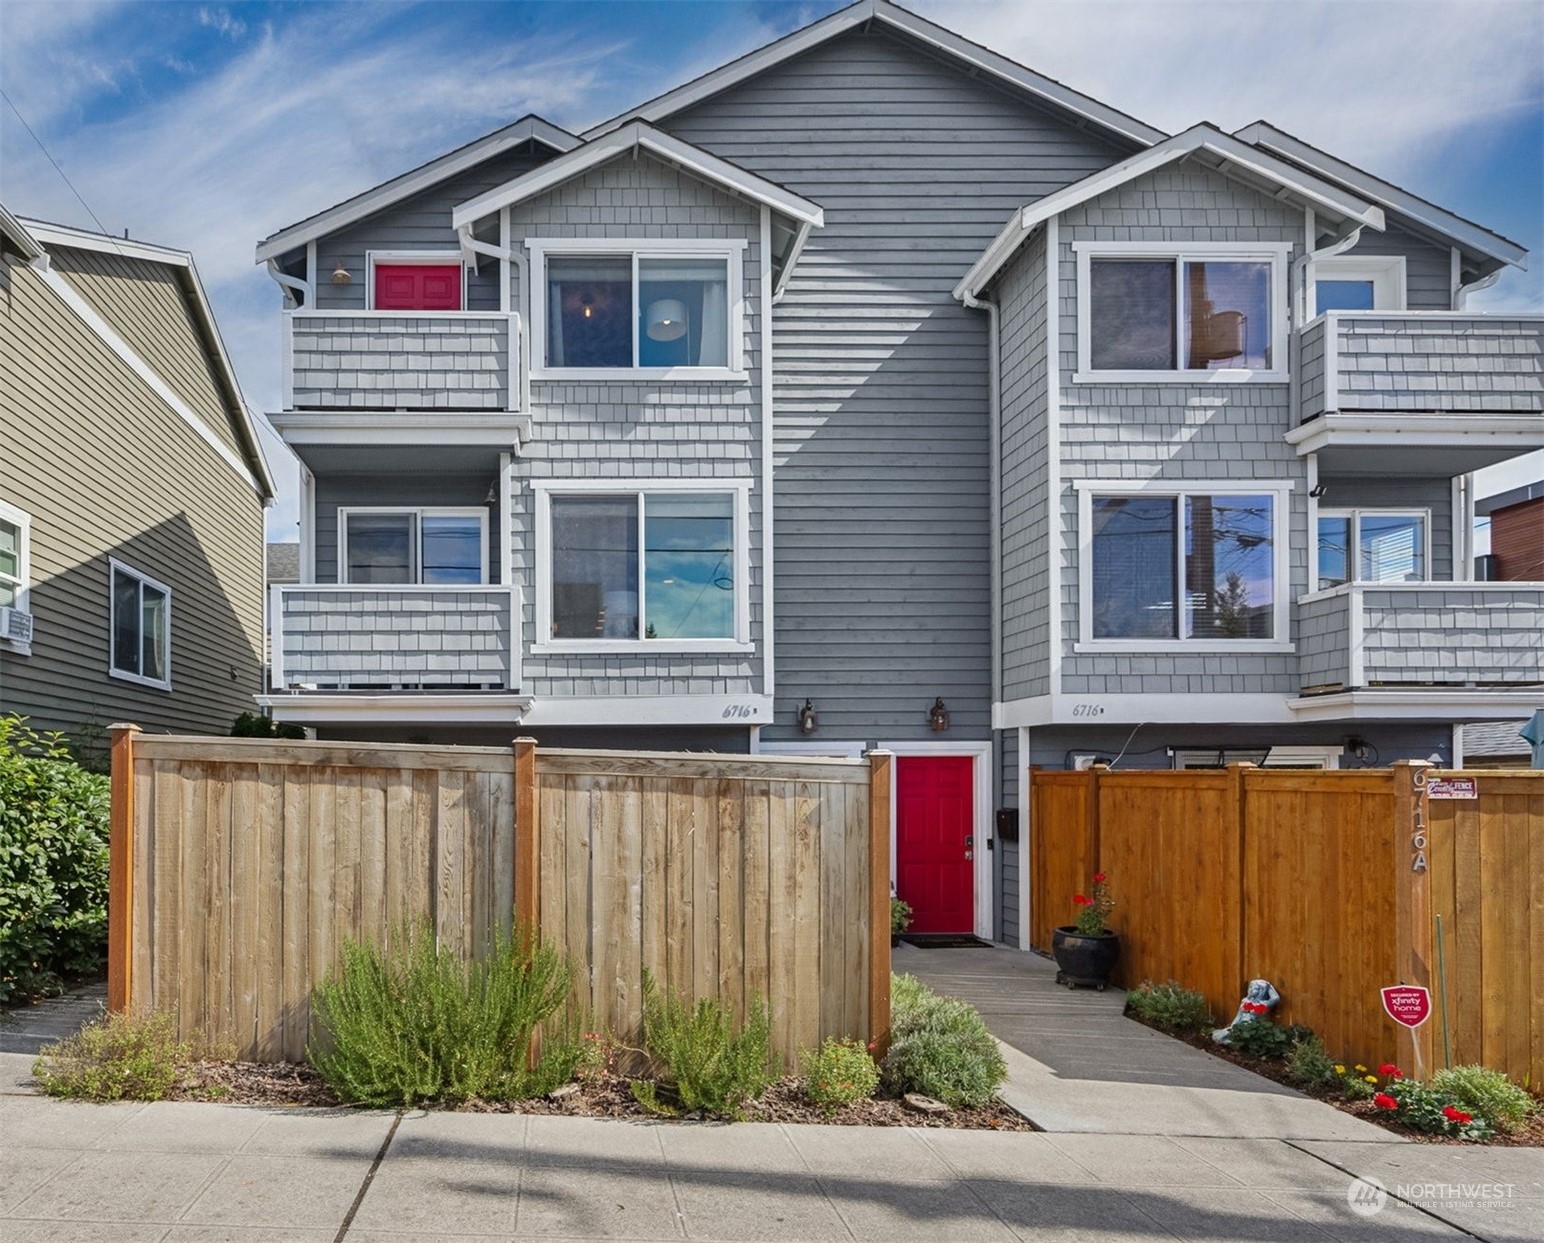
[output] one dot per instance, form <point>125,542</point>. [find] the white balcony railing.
<point>330,636</point>
<point>1421,634</point>
<point>403,360</point>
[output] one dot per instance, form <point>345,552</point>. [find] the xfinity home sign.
<point>1407,1004</point>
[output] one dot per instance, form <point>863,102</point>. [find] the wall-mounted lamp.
<point>938,716</point>
<point>808,721</point>
<point>340,275</point>
<point>1318,490</point>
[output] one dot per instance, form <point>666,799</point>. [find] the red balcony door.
<point>934,828</point>
<point>417,287</point>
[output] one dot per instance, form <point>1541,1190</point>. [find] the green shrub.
<point>1260,1038</point>
<point>419,1023</point>
<point>939,1047</point>
<point>705,1064</point>
<point>839,1073</point>
<point>1487,1093</point>
<point>1423,1107</point>
<point>259,725</point>
<point>115,1058</point>
<point>1309,1065</point>
<point>1169,1006</point>
<point>900,916</point>
<point>53,863</point>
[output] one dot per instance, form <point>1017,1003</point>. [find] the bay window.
<point>642,564</point>
<point>1199,566</point>
<point>658,307</point>
<point>427,546</point>
<point>1204,311</point>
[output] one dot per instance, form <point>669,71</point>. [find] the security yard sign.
<point>1407,1004</point>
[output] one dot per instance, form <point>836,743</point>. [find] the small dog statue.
<point>1259,1000</point>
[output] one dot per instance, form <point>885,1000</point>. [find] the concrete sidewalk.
<point>26,1029</point>
<point>208,1172</point>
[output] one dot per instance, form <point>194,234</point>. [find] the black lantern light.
<point>938,716</point>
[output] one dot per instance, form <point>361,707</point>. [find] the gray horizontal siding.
<point>881,377</point>
<point>1434,495</point>
<point>106,469</point>
<point>402,489</point>
<point>1428,268</point>
<point>422,362</point>
<point>399,638</point>
<point>1148,747</point>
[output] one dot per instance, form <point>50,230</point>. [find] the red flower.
<point>1456,1115</point>
<point>1384,1101</point>
<point>1391,1071</point>
<point>1081,900</point>
<point>1255,1007</point>
<point>1098,878</point>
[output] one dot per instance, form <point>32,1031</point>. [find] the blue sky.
<point>207,126</point>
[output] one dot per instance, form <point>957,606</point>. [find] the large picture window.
<point>1187,315</point>
<point>639,308</point>
<point>1372,546</point>
<point>139,627</point>
<point>1184,567</point>
<point>428,546</point>
<point>656,566</point>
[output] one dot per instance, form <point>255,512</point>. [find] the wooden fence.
<point>1329,884</point>
<point>241,867</point>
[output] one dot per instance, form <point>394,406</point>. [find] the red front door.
<point>417,287</point>
<point>934,824</point>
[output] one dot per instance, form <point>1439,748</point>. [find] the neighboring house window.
<point>1204,312</point>
<point>1261,757</point>
<point>428,546</point>
<point>643,564</point>
<point>1360,284</point>
<point>663,308</point>
<point>15,573</point>
<point>1372,546</point>
<point>140,625</point>
<point>416,282</point>
<point>1199,566</point>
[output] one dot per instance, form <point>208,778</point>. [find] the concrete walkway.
<point>27,1029</point>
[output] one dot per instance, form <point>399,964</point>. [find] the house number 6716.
<point>738,712</point>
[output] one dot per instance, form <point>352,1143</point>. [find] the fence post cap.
<point>524,741</point>
<point>883,752</point>
<point>122,727</point>
<point>1413,764</point>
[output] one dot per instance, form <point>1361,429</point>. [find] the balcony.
<point>352,638</point>
<point>1443,636</point>
<point>1425,391</point>
<point>402,361</point>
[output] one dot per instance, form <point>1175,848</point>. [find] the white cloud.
<point>223,21</point>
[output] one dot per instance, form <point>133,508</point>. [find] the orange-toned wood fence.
<point>1312,880</point>
<point>240,867</point>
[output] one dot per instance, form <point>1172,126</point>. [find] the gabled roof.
<point>1221,151</point>
<point>972,56</point>
<point>1468,236</point>
<point>527,129</point>
<point>638,136</point>
<point>181,262</point>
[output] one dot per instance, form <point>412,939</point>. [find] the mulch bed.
<point>1530,1135</point>
<point>599,1096</point>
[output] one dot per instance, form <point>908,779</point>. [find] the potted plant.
<point>1086,950</point>
<point>900,919</point>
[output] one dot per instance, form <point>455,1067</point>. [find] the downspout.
<point>296,288</point>
<point>994,424</point>
<point>1463,485</point>
<point>510,254</point>
<point>1300,298</point>
<point>1461,294</point>
<point>792,258</point>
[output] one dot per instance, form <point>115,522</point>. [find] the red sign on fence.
<point>1407,1004</point>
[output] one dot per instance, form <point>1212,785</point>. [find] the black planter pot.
<point>1085,962</point>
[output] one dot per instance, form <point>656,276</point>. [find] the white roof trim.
<point>13,228</point>
<point>413,182</point>
<point>1322,195</point>
<point>1465,232</point>
<point>879,11</point>
<point>639,135</point>
<point>82,239</point>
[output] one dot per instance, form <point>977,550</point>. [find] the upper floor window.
<point>1372,283</point>
<point>416,281</point>
<point>1372,546</point>
<point>1207,311</point>
<point>664,307</point>
<point>436,547</point>
<point>140,627</point>
<point>659,562</point>
<point>1203,565</point>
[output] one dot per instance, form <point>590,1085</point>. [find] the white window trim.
<point>419,512</point>
<point>114,566</point>
<point>394,258</point>
<point>1354,553</point>
<point>22,520</point>
<point>1273,253</point>
<point>1386,272</point>
<point>545,489</point>
<point>730,249</point>
<point>1280,492</point>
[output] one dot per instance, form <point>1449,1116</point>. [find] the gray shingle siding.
<point>432,362</point>
<point>883,588</point>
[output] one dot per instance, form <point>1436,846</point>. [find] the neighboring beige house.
<point>132,491</point>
